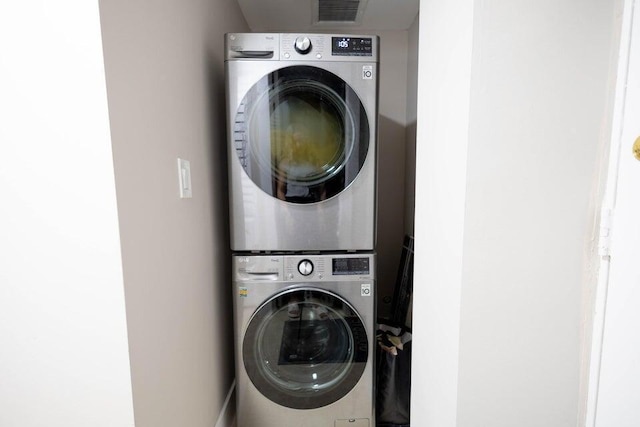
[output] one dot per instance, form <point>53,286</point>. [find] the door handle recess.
<point>259,275</point>
<point>253,54</point>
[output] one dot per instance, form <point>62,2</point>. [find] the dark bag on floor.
<point>393,390</point>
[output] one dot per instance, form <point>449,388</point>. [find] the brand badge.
<point>365,289</point>
<point>367,72</point>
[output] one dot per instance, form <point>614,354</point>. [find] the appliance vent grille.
<point>338,10</point>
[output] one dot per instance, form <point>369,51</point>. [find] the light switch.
<point>184,178</point>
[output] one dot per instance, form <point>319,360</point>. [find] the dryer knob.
<point>302,45</point>
<point>305,267</point>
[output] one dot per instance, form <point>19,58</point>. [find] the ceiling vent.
<point>338,11</point>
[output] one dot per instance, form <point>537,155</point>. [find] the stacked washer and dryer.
<point>302,116</point>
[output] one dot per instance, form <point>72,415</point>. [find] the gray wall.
<point>164,65</point>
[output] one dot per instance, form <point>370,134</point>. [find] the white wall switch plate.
<point>184,178</point>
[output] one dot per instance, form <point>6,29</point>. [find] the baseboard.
<point>228,411</point>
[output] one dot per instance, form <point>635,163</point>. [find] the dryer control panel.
<point>302,47</point>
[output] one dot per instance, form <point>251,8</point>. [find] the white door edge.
<point>608,211</point>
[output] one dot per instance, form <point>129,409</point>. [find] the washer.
<point>302,125</point>
<point>304,338</point>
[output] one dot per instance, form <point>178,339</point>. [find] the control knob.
<point>302,45</point>
<point>305,267</point>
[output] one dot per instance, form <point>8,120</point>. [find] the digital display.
<point>350,266</point>
<point>352,46</point>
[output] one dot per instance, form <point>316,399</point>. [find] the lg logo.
<point>365,290</point>
<point>367,72</point>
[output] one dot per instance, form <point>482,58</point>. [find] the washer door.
<point>301,134</point>
<point>305,348</point>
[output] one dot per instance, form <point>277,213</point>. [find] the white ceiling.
<point>297,16</point>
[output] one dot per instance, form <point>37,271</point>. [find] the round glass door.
<point>305,348</point>
<point>301,134</point>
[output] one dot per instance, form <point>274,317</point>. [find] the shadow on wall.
<point>218,147</point>
<point>217,153</point>
<point>392,141</point>
<point>410,179</point>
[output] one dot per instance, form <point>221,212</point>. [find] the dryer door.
<point>301,134</point>
<point>305,348</point>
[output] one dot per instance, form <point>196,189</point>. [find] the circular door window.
<point>305,348</point>
<point>301,134</point>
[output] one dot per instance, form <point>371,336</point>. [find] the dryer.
<point>304,340</point>
<point>302,126</point>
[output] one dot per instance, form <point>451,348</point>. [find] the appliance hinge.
<point>604,239</point>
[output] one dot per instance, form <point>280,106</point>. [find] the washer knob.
<point>302,45</point>
<point>305,267</point>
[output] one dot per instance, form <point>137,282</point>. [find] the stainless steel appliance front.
<point>302,118</point>
<point>304,339</point>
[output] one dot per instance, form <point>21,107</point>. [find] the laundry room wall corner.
<point>412,119</point>
<point>165,83</point>
<point>392,144</point>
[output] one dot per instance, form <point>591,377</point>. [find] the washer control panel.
<point>305,268</point>
<point>322,268</point>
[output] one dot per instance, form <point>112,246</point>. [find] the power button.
<point>305,267</point>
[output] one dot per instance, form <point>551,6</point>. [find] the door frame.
<point>631,8</point>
